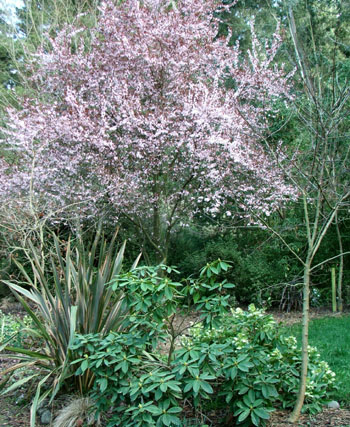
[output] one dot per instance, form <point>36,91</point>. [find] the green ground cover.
<point>331,336</point>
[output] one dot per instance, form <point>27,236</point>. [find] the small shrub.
<point>254,339</point>
<point>14,327</point>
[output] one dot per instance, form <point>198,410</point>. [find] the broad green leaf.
<point>224,266</point>
<point>174,387</point>
<point>244,415</point>
<point>206,387</point>
<point>153,410</point>
<point>166,419</point>
<point>229,397</point>
<point>233,373</point>
<point>214,270</point>
<point>196,385</point>
<point>188,386</point>
<point>84,366</point>
<point>261,413</point>
<point>251,396</point>
<point>103,384</point>
<point>229,285</point>
<point>174,410</point>
<point>255,419</point>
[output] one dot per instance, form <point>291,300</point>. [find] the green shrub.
<point>231,356</point>
<point>129,379</point>
<point>14,327</point>
<point>274,375</point>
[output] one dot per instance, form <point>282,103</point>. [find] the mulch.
<point>13,413</point>
<point>289,318</point>
<point>328,417</point>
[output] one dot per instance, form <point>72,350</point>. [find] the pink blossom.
<point>139,117</point>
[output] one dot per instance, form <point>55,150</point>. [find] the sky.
<point>10,5</point>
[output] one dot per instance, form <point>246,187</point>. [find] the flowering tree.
<point>138,113</point>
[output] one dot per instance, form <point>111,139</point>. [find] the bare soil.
<point>12,415</point>
<point>328,417</point>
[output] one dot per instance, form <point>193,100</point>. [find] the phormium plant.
<point>81,301</point>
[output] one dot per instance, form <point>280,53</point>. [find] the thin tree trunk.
<point>305,342</point>
<point>156,225</point>
<point>341,267</point>
<point>158,236</point>
<point>158,228</point>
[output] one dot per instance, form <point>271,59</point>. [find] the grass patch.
<point>331,336</point>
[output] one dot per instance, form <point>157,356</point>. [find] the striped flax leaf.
<point>73,296</point>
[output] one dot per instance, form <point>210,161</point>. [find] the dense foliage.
<point>240,358</point>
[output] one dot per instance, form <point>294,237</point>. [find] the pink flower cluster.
<point>136,113</point>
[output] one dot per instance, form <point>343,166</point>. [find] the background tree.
<point>315,40</point>
<point>23,31</point>
<point>324,185</point>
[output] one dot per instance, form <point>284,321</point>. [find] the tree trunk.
<point>160,241</point>
<point>305,342</point>
<point>341,267</point>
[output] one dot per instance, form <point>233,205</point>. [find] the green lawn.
<point>331,336</point>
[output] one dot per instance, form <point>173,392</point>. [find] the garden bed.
<point>15,408</point>
<point>12,414</point>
